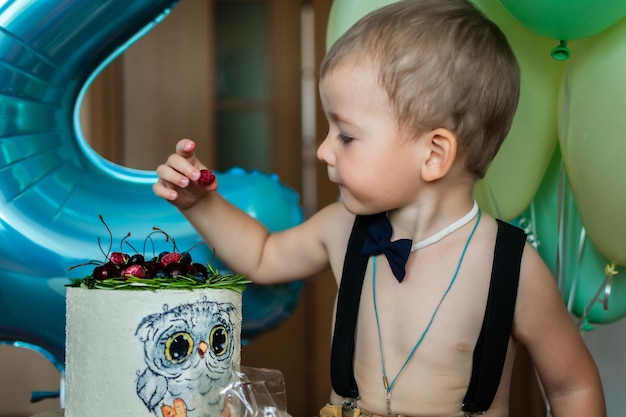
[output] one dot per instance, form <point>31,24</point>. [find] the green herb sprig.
<point>215,280</point>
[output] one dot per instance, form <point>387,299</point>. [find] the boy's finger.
<point>185,147</point>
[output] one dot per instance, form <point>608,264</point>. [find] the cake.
<point>141,334</point>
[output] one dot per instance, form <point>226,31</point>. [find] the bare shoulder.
<point>539,302</point>
<point>320,236</point>
<point>540,309</point>
<point>333,225</point>
<point>332,218</point>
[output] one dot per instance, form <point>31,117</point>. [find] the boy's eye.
<point>343,138</point>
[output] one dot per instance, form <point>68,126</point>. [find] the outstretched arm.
<point>239,240</point>
<point>543,324</point>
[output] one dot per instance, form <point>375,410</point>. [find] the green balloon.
<point>345,13</point>
<point>518,169</point>
<point>566,19</point>
<point>556,230</point>
<point>592,126</point>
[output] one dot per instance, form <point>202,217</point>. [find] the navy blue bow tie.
<point>379,241</point>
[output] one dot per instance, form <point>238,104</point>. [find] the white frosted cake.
<point>132,352</point>
<point>142,335</point>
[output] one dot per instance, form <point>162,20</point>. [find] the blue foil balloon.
<point>53,185</point>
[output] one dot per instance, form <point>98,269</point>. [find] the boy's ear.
<point>441,147</point>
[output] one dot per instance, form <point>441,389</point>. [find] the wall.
<point>607,343</point>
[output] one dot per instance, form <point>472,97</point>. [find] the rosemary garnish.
<point>215,280</point>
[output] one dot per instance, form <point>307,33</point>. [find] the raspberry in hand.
<point>206,177</point>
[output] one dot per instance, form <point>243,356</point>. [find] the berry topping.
<point>185,258</point>
<point>170,258</point>
<point>136,271</point>
<point>107,270</point>
<point>173,269</point>
<point>153,268</point>
<point>136,259</point>
<point>206,177</point>
<point>118,258</point>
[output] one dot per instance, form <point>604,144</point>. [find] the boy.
<point>419,95</point>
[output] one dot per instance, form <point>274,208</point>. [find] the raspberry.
<point>206,177</point>
<point>118,258</point>
<point>172,257</point>
<point>134,271</point>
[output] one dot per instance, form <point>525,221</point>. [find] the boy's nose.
<point>324,152</point>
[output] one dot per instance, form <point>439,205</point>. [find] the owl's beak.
<point>202,348</point>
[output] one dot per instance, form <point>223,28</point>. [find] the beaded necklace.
<point>389,385</point>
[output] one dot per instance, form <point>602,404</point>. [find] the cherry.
<point>107,270</point>
<point>185,258</point>
<point>175,269</point>
<point>152,267</point>
<point>136,259</point>
<point>201,269</point>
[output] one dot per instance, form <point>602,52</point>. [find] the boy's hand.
<point>183,180</point>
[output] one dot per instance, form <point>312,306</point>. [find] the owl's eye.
<point>178,347</point>
<point>218,340</point>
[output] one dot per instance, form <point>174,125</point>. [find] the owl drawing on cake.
<point>189,353</point>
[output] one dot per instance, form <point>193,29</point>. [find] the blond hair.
<point>442,64</point>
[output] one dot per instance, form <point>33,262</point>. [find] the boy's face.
<point>376,168</point>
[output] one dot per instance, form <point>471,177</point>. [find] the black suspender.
<point>349,297</point>
<point>491,348</point>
